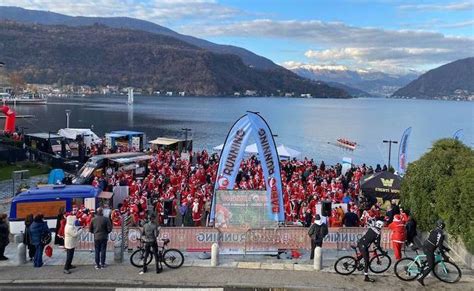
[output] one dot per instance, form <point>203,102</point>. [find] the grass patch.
<point>35,169</point>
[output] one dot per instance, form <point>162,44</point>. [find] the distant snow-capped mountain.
<point>374,82</point>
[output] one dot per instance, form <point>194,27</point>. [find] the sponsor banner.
<point>239,240</point>
<point>270,162</point>
<point>231,156</point>
<point>346,165</point>
<point>242,208</point>
<point>402,152</point>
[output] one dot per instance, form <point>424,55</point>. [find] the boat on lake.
<point>30,99</point>
<point>347,143</point>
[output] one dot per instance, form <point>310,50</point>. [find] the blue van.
<point>48,200</point>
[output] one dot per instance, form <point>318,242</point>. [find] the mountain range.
<point>452,81</point>
<point>367,82</point>
<point>101,55</point>
<point>50,18</point>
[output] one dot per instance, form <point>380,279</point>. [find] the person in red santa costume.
<point>196,213</point>
<point>116,218</point>
<point>398,235</point>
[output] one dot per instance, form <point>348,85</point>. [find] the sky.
<point>387,35</point>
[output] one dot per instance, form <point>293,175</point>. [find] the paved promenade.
<point>233,271</point>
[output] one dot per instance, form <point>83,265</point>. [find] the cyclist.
<point>150,233</point>
<point>372,236</point>
<point>435,240</point>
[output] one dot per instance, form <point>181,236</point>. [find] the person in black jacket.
<point>435,240</point>
<point>372,236</point>
<point>4,233</point>
<point>27,237</point>
<point>317,232</point>
<point>350,219</point>
<point>411,229</point>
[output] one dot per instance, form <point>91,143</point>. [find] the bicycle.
<point>408,269</point>
<point>378,263</point>
<point>172,258</point>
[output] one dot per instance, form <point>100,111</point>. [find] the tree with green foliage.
<point>441,185</point>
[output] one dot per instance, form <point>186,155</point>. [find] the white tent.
<point>219,147</point>
<point>89,136</point>
<point>287,153</point>
<point>251,149</point>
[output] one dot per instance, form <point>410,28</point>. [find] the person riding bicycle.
<point>150,233</point>
<point>434,241</point>
<point>372,236</point>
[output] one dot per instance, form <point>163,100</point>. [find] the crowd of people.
<point>178,190</point>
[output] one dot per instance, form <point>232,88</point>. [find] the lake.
<point>308,125</point>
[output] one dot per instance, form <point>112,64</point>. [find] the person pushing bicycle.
<point>372,236</point>
<point>434,241</point>
<point>150,233</point>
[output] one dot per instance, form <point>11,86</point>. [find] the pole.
<point>67,117</point>
<point>390,150</point>
<point>186,137</point>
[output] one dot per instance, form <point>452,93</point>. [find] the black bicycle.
<point>378,263</point>
<point>172,258</point>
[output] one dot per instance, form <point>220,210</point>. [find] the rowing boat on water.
<point>347,143</point>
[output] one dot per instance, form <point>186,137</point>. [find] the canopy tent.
<point>385,185</point>
<point>251,149</point>
<point>287,153</point>
<point>72,133</point>
<point>219,147</point>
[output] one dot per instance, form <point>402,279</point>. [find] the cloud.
<point>328,41</point>
<point>152,10</point>
<point>454,6</point>
<point>468,23</point>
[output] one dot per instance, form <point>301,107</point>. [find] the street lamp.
<point>390,149</point>
<point>186,130</point>
<point>68,112</point>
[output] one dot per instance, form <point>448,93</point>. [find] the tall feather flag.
<point>402,152</point>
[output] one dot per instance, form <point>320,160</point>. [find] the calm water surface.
<point>308,125</point>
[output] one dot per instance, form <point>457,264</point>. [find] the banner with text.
<point>402,152</point>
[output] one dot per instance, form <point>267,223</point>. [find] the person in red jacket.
<point>398,235</point>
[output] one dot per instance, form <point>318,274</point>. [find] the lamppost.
<point>68,112</point>
<point>186,130</point>
<point>390,149</point>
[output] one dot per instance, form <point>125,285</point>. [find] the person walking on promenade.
<point>4,233</point>
<point>434,241</point>
<point>317,232</point>
<point>71,233</point>
<point>40,236</point>
<point>100,227</point>
<point>398,235</point>
<point>372,236</point>
<point>27,237</point>
<point>150,233</point>
<point>59,230</point>
<point>411,229</point>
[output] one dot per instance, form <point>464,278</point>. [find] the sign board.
<point>49,209</point>
<point>242,208</point>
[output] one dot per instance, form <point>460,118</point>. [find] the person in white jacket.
<point>71,238</point>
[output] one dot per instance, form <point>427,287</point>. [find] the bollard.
<point>318,258</point>
<point>118,252</point>
<point>214,255</point>
<point>21,252</point>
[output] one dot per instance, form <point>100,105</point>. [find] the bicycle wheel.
<point>345,265</point>
<point>407,269</point>
<point>138,256</point>
<point>173,258</point>
<point>380,263</point>
<point>447,272</point>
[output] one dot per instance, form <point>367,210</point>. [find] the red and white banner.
<point>240,240</point>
